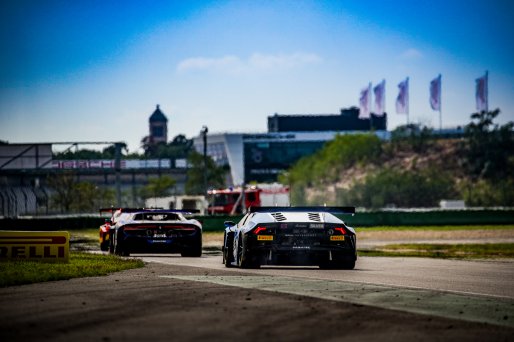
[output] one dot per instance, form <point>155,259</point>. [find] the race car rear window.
<point>156,217</point>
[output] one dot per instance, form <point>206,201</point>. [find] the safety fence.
<point>424,217</point>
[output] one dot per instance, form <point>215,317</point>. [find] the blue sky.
<point>94,70</point>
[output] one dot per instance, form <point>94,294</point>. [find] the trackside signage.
<point>35,246</point>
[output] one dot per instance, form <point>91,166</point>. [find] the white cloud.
<point>257,61</point>
<point>202,63</point>
<point>411,54</point>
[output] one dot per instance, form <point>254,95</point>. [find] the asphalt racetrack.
<point>198,299</point>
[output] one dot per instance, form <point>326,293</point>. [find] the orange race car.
<point>105,233</point>
<point>105,229</point>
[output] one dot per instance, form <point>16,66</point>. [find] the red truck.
<point>230,200</point>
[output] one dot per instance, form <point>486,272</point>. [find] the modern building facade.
<point>262,157</point>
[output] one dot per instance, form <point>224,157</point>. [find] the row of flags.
<point>402,100</point>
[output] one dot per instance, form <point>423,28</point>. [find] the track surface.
<point>198,299</point>
<point>488,278</point>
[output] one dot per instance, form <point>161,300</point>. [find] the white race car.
<point>291,236</point>
<point>155,231</point>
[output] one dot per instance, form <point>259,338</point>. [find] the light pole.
<point>204,132</point>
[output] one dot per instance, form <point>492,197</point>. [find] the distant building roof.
<point>158,116</point>
<point>348,120</point>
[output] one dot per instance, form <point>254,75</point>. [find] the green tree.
<point>108,152</point>
<point>490,147</point>
<point>69,196</point>
<point>324,166</point>
<point>179,147</point>
<point>158,187</point>
<point>488,193</point>
<point>411,137</point>
<point>63,187</point>
<point>195,174</point>
<point>400,189</point>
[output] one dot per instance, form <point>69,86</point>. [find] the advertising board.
<point>35,246</point>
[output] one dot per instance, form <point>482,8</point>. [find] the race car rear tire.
<point>228,250</point>
<point>347,265</point>
<point>192,252</point>
<point>118,248</point>
<point>244,258</point>
<point>338,263</point>
<point>111,243</point>
<point>104,246</point>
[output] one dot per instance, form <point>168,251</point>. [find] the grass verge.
<point>433,228</point>
<point>81,265</point>
<point>454,251</point>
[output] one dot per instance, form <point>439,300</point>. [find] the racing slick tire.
<point>338,263</point>
<point>244,259</point>
<point>192,252</point>
<point>347,265</point>
<point>228,249</point>
<point>111,243</point>
<point>104,246</point>
<point>118,248</point>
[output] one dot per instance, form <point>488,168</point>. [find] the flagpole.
<point>370,103</point>
<point>487,90</point>
<point>440,105</point>
<point>408,101</point>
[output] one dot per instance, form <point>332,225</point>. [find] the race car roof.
<point>333,210</point>
<point>150,210</point>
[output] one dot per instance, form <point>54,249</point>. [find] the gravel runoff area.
<point>144,304</point>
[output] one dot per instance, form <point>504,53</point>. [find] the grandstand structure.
<point>26,168</point>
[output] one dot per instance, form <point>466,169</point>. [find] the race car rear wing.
<point>125,210</point>
<point>332,210</point>
<point>156,210</point>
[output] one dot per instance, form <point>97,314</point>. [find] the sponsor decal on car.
<point>337,238</point>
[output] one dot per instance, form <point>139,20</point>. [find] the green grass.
<point>81,265</point>
<point>433,228</point>
<point>458,251</point>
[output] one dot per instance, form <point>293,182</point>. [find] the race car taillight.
<point>340,230</point>
<point>258,230</point>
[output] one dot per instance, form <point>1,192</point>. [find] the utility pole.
<point>204,132</point>
<point>117,169</point>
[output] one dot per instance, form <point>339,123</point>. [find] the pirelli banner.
<point>35,246</point>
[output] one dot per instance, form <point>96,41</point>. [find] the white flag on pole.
<point>481,93</point>
<point>379,92</point>
<point>402,101</point>
<point>435,93</point>
<point>365,102</point>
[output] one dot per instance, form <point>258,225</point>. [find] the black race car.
<point>306,236</point>
<point>155,231</point>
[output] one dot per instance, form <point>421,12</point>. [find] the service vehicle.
<point>307,236</point>
<point>235,200</point>
<point>155,231</point>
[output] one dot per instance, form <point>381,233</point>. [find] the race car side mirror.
<point>228,224</point>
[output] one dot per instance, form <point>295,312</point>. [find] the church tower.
<point>158,127</point>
